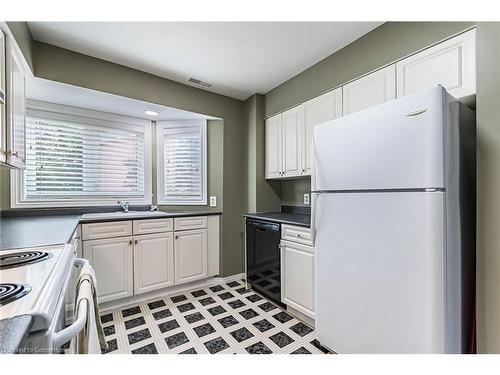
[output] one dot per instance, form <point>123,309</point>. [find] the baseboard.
<point>301,316</point>
<point>166,292</point>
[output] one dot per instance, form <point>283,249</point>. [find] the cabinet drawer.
<point>153,226</point>
<point>300,235</point>
<point>106,230</point>
<point>194,222</point>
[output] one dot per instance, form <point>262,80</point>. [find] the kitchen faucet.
<point>124,205</point>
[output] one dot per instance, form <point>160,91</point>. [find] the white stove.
<point>32,281</point>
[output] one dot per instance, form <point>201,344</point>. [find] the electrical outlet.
<point>213,201</point>
<point>306,198</point>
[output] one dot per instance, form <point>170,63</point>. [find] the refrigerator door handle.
<point>313,165</point>
<point>314,198</point>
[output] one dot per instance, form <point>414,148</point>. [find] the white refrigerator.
<point>393,220</point>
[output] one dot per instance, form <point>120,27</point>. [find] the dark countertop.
<point>13,331</point>
<point>291,218</point>
<point>35,231</point>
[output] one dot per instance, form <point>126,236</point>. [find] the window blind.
<point>74,159</point>
<point>183,164</point>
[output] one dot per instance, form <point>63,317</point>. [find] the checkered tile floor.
<point>225,318</point>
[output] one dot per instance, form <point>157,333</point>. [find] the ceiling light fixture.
<point>151,113</point>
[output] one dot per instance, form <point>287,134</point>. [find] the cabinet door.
<point>3,124</point>
<point>297,277</point>
<point>451,64</point>
<point>373,89</point>
<point>274,134</point>
<point>293,125</point>
<point>317,111</point>
<point>153,262</point>
<point>112,262</point>
<point>190,253</point>
<point>16,107</point>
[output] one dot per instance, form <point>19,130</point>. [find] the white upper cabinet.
<point>317,111</point>
<point>16,106</point>
<point>451,64</point>
<point>3,150</point>
<point>274,135</point>
<point>293,125</point>
<point>373,89</point>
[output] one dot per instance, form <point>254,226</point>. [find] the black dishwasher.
<point>263,258</point>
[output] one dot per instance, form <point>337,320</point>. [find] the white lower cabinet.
<point>153,262</point>
<point>128,262</point>
<point>297,277</point>
<point>190,254</point>
<point>111,259</point>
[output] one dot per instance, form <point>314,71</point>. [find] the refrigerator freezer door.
<point>396,145</point>
<point>379,272</point>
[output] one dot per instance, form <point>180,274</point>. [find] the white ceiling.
<point>60,93</point>
<point>240,58</point>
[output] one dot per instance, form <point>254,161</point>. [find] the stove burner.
<point>20,259</point>
<point>9,292</point>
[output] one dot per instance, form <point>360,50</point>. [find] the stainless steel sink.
<point>123,214</point>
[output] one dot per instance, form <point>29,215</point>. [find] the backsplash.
<point>292,191</point>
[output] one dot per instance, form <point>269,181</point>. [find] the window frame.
<point>68,113</point>
<point>160,127</point>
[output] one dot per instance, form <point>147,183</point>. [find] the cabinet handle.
<point>130,242</point>
<point>16,154</point>
<point>135,242</point>
<point>176,237</point>
<point>298,235</point>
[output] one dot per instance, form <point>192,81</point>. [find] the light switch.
<point>306,198</point>
<point>213,201</point>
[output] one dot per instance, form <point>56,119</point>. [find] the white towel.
<point>87,341</point>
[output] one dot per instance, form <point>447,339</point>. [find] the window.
<point>182,162</point>
<point>79,157</point>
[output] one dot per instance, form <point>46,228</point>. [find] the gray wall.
<point>488,187</point>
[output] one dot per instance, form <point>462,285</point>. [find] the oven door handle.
<point>72,330</point>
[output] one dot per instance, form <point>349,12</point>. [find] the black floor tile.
<point>263,325</point>
<point>243,290</point>
<point>162,314</point>
<point>236,304</point>
<point>168,326</point>
<point>110,330</point>
<point>112,346</point>
<point>185,307</point>
<point>199,293</point>
<point>301,329</point>
<point>282,317</point>
<point>216,310</point>
<point>216,345</point>
<point>317,345</point>
<point>228,321</point>
<point>131,311</point>
<point>216,288</point>
<point>189,351</point>
<point>258,348</point>
<point>267,306</point>
<point>156,304</point>
<point>301,350</point>
<point>106,318</point>
<point>254,298</point>
<point>281,339</point>
<point>206,301</point>
<point>233,284</point>
<point>148,349</point>
<point>136,322</point>
<point>179,298</point>
<point>225,296</point>
<point>195,317</point>
<point>248,314</point>
<point>134,337</point>
<point>176,340</point>
<point>242,334</point>
<point>204,329</point>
